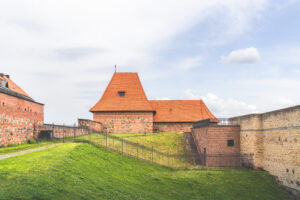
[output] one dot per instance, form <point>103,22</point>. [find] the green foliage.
<point>83,171</point>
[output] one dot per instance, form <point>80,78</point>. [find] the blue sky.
<point>240,57</point>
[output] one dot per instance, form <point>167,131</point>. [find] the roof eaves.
<point>18,95</point>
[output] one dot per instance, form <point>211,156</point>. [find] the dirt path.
<point>9,155</point>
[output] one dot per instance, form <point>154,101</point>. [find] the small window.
<point>230,143</point>
<point>121,93</point>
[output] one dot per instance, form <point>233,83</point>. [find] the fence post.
<point>137,150</point>
<point>152,154</point>
<point>106,140</point>
<point>185,160</point>
<point>74,131</point>
<point>204,157</point>
<point>122,145</point>
<point>52,130</point>
<point>90,134</point>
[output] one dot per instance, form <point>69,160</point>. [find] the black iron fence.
<point>152,155</point>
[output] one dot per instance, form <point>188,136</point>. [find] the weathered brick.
<point>125,122</point>
<point>19,119</point>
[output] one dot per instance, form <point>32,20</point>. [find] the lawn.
<point>172,143</point>
<point>166,149</point>
<point>21,147</point>
<point>83,171</point>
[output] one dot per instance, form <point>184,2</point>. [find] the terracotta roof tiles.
<point>134,98</point>
<point>180,110</point>
<point>13,87</point>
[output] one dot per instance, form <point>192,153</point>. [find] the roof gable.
<point>180,111</point>
<point>134,98</point>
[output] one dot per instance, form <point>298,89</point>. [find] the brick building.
<point>20,115</point>
<point>124,108</point>
<point>218,145</point>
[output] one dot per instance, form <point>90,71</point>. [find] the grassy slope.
<point>21,147</point>
<point>172,143</point>
<point>82,171</point>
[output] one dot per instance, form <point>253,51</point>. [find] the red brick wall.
<point>125,122</point>
<point>18,118</point>
<point>173,126</point>
<point>60,131</point>
<point>92,125</point>
<point>214,139</point>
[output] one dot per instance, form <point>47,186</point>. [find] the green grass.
<point>168,148</point>
<point>82,171</point>
<point>172,143</point>
<point>20,147</point>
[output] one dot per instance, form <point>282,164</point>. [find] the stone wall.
<point>92,125</point>
<point>213,139</point>
<point>274,140</point>
<point>172,126</point>
<point>62,131</point>
<point>125,122</point>
<point>19,118</point>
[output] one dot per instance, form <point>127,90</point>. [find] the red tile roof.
<point>136,100</point>
<point>180,111</point>
<point>133,100</point>
<point>12,86</point>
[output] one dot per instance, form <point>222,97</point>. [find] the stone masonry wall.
<point>274,140</point>
<point>92,125</point>
<point>172,126</point>
<point>61,131</point>
<point>214,139</point>
<point>125,122</point>
<point>18,119</point>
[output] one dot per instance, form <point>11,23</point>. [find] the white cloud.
<point>223,107</point>
<point>285,101</point>
<point>190,62</point>
<point>80,41</point>
<point>242,56</point>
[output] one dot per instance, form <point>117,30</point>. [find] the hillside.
<point>82,171</point>
<point>172,142</point>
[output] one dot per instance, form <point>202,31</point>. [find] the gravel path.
<point>2,157</point>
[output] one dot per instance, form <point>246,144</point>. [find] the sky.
<point>240,57</point>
